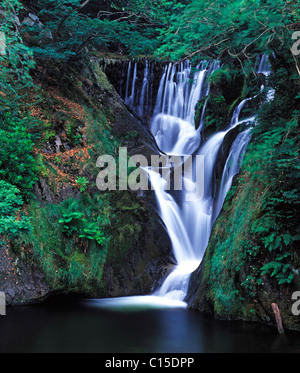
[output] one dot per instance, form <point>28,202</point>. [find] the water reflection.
<point>136,303</point>
<point>87,326</point>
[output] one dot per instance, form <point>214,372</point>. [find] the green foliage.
<point>67,29</point>
<point>235,29</point>
<point>74,239</point>
<point>10,198</point>
<point>274,158</point>
<point>223,75</point>
<point>219,99</point>
<point>127,224</point>
<point>74,223</point>
<point>82,182</point>
<point>11,226</point>
<point>278,270</point>
<point>99,134</point>
<point>16,62</point>
<point>17,164</point>
<point>71,240</point>
<point>226,90</point>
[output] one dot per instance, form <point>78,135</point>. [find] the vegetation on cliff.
<point>54,125</point>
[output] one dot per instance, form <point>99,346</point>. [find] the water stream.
<point>188,219</point>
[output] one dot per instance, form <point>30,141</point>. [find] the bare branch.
<point>296,63</point>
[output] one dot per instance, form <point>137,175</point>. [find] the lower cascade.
<point>188,217</point>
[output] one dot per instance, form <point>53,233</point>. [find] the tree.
<point>231,29</point>
<point>62,31</point>
<point>17,165</point>
<point>15,61</point>
<point>66,29</point>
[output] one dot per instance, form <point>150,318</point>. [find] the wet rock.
<point>43,192</point>
<point>224,151</point>
<point>21,283</point>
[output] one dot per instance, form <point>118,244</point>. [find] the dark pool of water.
<point>82,326</point>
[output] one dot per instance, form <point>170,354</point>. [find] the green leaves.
<point>75,223</point>
<point>17,164</point>
<point>11,226</point>
<point>16,63</point>
<point>66,31</point>
<point>82,182</point>
<point>215,29</point>
<point>10,198</point>
<point>71,239</point>
<point>279,271</point>
<point>273,159</point>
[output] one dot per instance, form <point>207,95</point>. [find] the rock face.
<point>224,151</point>
<point>146,265</point>
<point>121,75</point>
<point>143,271</point>
<point>20,282</point>
<point>142,268</point>
<point>222,286</point>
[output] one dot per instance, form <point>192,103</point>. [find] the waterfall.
<point>189,221</point>
<point>179,91</point>
<point>189,217</point>
<point>130,100</point>
<point>144,93</point>
<point>264,67</point>
<point>138,87</point>
<point>127,83</point>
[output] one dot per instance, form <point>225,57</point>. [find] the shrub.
<point>11,226</point>
<point>17,163</point>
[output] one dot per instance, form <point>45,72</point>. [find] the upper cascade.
<point>180,89</point>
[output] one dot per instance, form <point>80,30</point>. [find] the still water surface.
<point>97,326</point>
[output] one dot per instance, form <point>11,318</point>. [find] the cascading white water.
<point>264,67</point>
<point>189,224</point>
<point>144,93</point>
<point>188,221</point>
<point>179,91</point>
<point>138,94</point>
<point>130,99</point>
